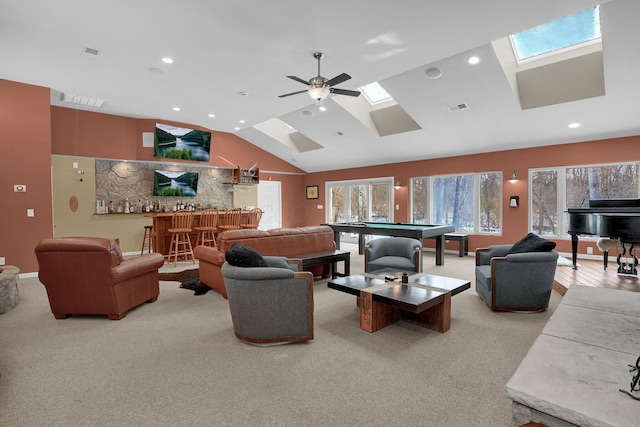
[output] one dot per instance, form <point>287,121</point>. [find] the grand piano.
<point>614,218</point>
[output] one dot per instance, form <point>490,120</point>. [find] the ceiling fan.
<point>320,87</point>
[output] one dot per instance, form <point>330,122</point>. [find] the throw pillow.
<point>531,243</point>
<point>243,256</point>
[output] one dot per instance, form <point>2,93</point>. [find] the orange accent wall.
<point>515,220</point>
<point>25,126</point>
<point>32,130</point>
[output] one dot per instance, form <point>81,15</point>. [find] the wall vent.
<point>90,52</point>
<point>457,107</point>
<point>82,100</point>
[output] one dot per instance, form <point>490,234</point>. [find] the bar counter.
<point>162,222</point>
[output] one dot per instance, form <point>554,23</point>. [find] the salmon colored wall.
<point>25,143</point>
<point>32,130</point>
<point>83,133</point>
<point>515,220</point>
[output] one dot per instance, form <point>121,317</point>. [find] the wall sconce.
<point>514,201</point>
<point>397,185</point>
<point>514,177</point>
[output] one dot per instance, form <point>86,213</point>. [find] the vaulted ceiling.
<point>231,60</point>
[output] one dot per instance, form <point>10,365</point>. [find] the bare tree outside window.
<point>490,202</point>
<point>453,201</point>
<point>544,202</point>
<point>419,201</point>
<point>600,183</point>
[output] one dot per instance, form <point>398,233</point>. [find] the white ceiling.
<point>224,48</point>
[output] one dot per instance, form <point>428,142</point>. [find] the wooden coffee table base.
<point>376,315</point>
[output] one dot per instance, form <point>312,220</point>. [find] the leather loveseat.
<point>87,275</point>
<point>285,242</point>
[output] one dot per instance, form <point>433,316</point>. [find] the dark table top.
<point>422,291</point>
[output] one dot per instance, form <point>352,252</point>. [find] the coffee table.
<point>425,300</point>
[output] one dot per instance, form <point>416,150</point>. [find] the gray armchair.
<point>397,253</point>
<point>515,282</point>
<point>270,304</point>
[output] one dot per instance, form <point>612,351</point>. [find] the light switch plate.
<point>2,261</point>
<point>30,213</point>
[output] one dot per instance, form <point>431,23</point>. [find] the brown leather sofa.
<point>88,275</point>
<point>285,242</point>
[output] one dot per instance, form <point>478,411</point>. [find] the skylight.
<point>374,93</point>
<point>569,32</point>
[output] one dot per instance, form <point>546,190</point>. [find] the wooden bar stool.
<point>253,218</point>
<point>207,227</point>
<point>229,220</point>
<point>181,226</point>
<point>147,239</point>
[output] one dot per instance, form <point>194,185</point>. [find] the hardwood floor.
<point>592,273</point>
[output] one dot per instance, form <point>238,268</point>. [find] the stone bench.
<point>9,297</point>
<point>573,372</point>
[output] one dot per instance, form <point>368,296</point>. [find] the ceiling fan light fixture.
<point>319,92</point>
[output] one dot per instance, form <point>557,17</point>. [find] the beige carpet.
<point>177,362</point>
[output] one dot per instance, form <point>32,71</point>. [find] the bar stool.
<point>253,218</point>
<point>206,228</point>
<point>229,220</point>
<point>147,239</point>
<point>181,226</point>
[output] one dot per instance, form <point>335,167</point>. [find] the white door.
<point>270,201</point>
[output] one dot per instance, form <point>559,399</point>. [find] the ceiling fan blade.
<point>292,93</point>
<point>339,79</point>
<point>345,92</point>
<point>298,79</point>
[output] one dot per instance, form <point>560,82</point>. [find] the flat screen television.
<point>172,183</point>
<point>174,142</point>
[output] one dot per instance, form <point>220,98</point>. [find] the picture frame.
<point>312,192</point>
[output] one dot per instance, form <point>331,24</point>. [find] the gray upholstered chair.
<point>270,304</point>
<point>515,282</point>
<point>393,253</point>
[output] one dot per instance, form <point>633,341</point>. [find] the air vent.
<point>457,107</point>
<point>82,100</point>
<point>90,52</point>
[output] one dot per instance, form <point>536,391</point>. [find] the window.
<point>375,93</point>
<point>554,190</point>
<point>369,200</point>
<point>565,33</point>
<point>471,203</point>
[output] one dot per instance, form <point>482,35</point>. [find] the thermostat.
<point>20,188</point>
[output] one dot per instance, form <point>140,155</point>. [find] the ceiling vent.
<point>82,100</point>
<point>458,107</point>
<point>90,52</point>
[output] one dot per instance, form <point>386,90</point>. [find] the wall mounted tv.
<point>172,183</point>
<point>174,142</point>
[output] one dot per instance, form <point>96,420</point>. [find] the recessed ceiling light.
<point>574,125</point>
<point>241,121</point>
<point>167,60</point>
<point>176,108</point>
<point>474,60</point>
<point>236,128</point>
<point>244,93</point>
<point>322,108</point>
<point>154,70</point>
<point>212,115</point>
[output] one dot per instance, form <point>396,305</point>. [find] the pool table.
<point>397,229</point>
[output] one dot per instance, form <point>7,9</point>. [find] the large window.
<point>554,190</point>
<point>471,202</point>
<point>367,200</point>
